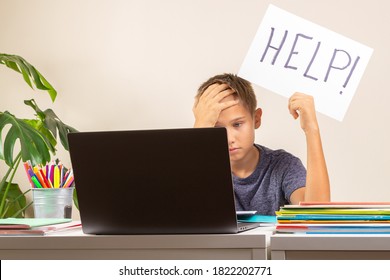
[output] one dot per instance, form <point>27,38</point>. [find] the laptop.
<point>169,181</point>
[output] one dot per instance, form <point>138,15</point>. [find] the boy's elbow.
<point>305,195</point>
<point>297,196</point>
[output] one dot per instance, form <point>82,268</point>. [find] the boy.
<point>263,179</point>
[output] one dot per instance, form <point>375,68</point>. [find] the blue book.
<point>258,219</point>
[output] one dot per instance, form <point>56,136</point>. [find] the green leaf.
<point>25,71</point>
<point>4,182</point>
<point>52,92</point>
<point>75,199</point>
<point>35,107</point>
<point>12,65</point>
<point>39,125</point>
<point>30,74</point>
<point>34,145</point>
<point>52,123</point>
<point>15,202</point>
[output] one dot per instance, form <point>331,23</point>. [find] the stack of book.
<point>334,218</point>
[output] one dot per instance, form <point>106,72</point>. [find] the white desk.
<point>330,247</point>
<point>251,244</point>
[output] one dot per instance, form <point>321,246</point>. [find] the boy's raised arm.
<point>317,179</point>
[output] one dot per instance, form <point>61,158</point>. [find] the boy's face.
<point>240,125</point>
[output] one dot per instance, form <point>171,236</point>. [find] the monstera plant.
<point>37,137</point>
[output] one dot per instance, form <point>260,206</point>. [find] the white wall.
<point>136,64</point>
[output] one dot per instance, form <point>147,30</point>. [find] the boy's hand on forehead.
<point>210,104</point>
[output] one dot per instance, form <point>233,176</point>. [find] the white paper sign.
<point>290,54</point>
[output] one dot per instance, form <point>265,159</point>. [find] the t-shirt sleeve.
<point>294,176</point>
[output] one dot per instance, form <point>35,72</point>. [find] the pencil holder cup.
<point>53,202</point>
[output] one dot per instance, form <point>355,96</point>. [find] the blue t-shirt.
<point>277,175</point>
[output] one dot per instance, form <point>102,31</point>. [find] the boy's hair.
<point>242,88</point>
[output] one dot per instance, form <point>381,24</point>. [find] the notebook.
<point>170,181</point>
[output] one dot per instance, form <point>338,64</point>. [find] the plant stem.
<point>2,183</point>
<point>14,167</point>
<point>21,210</point>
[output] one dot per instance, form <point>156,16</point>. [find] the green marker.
<point>36,182</point>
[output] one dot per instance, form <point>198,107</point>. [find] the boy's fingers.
<point>293,107</point>
<point>224,94</point>
<point>216,89</point>
<point>209,90</point>
<point>294,114</point>
<point>228,104</point>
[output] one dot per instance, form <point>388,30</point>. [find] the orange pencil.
<point>40,179</point>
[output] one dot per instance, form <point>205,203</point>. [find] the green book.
<point>33,222</point>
